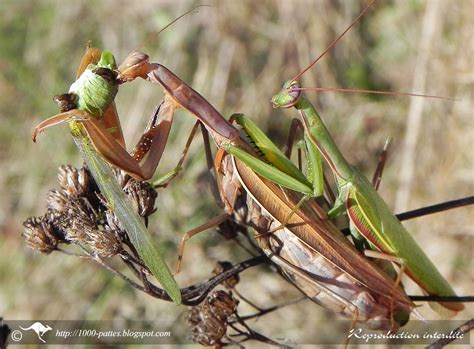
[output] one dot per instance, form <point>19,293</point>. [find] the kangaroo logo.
<point>39,329</point>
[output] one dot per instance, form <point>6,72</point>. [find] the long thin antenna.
<point>155,34</point>
<point>335,41</point>
<point>374,92</point>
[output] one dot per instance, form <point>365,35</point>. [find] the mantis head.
<point>288,96</point>
<point>135,65</point>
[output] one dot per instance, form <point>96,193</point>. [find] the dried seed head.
<point>113,224</point>
<point>222,266</point>
<point>208,320</point>
<point>57,200</point>
<point>222,304</point>
<point>206,329</point>
<point>122,177</point>
<point>78,220</point>
<point>143,196</point>
<point>73,181</point>
<point>39,234</point>
<point>103,243</point>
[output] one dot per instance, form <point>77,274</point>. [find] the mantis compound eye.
<point>288,96</point>
<point>294,90</point>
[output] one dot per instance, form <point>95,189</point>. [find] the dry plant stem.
<point>195,294</point>
<point>69,253</point>
<point>263,312</point>
<point>431,21</point>
<point>251,334</point>
<point>191,295</point>
<point>465,328</point>
<point>135,259</point>
<point>424,211</point>
<point>246,300</point>
<point>461,299</point>
<point>99,261</point>
<point>444,206</point>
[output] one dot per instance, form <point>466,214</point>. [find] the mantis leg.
<point>112,151</point>
<point>214,222</point>
<point>165,180</point>
<point>389,270</point>
<point>153,141</point>
<point>111,148</point>
<point>72,115</point>
<point>296,125</point>
<point>111,122</point>
<point>210,166</point>
<point>151,145</point>
<point>229,195</point>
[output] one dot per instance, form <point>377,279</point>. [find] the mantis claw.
<point>72,115</point>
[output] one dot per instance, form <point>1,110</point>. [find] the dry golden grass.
<point>236,54</point>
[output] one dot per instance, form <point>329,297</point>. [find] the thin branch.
<point>461,299</point>
<point>274,308</point>
<point>444,206</point>
<point>427,210</point>
<point>461,330</point>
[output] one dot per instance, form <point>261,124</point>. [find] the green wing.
<point>374,219</point>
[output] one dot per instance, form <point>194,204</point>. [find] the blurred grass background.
<point>237,55</point>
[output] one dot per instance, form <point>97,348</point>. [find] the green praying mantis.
<point>373,225</point>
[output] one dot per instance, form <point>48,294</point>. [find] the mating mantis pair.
<point>372,222</point>
<point>110,145</point>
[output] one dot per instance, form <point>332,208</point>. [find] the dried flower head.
<point>77,220</point>
<point>57,200</point>
<point>40,235</point>
<point>229,229</point>
<point>103,243</point>
<point>78,213</point>
<point>222,266</point>
<point>113,224</point>
<point>122,177</point>
<point>73,181</point>
<point>209,319</point>
<point>142,195</point>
